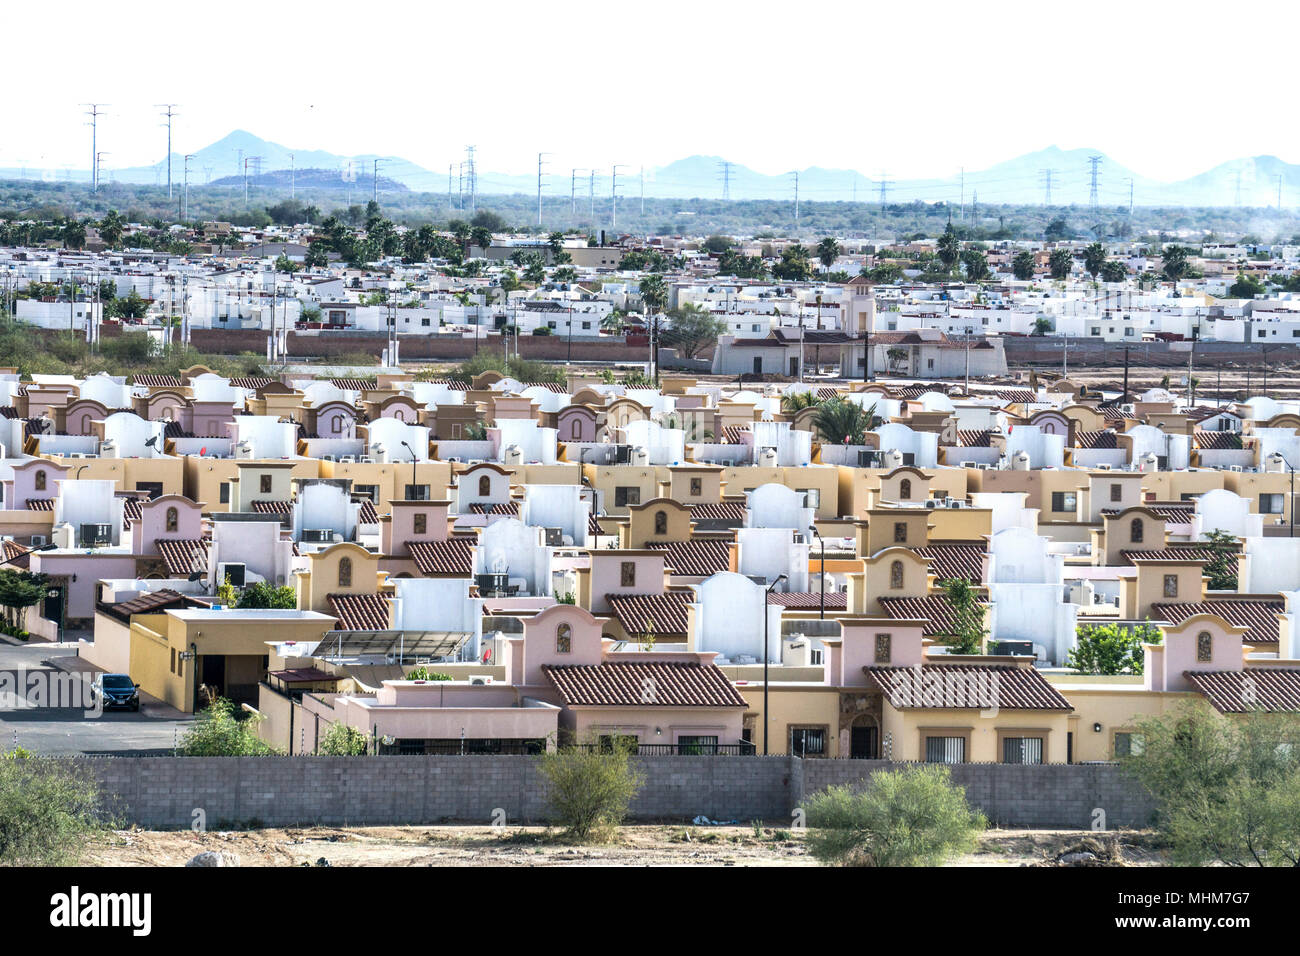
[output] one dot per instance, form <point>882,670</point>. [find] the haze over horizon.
<point>883,100</point>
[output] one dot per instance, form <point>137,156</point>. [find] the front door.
<point>52,606</point>
<point>864,742</point>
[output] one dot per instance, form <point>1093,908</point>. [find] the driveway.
<point>68,730</point>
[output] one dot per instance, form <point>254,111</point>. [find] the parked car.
<point>118,690</point>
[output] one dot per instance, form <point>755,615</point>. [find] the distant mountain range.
<point>1251,181</point>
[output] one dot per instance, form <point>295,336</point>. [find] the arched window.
<point>905,489</point>
<point>345,572</point>
<point>661,522</point>
<point>1204,647</point>
<point>484,486</point>
<point>563,639</point>
<point>896,576</point>
<point>1135,530</point>
<point>173,519</point>
<point>577,429</point>
<point>40,481</point>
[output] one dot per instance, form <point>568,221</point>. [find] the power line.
<point>374,182</point>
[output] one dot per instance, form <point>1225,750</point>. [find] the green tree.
<point>284,264</point>
<point>1113,271</point>
<point>1227,788</point>
<point>842,422</point>
<point>1022,266</point>
<point>691,330</point>
<point>793,402</point>
<point>589,788</point>
<point>263,594</point>
<point>949,248</point>
<point>966,633</point>
<point>1111,648</point>
<point>717,244</point>
<point>51,810</point>
<point>1246,287</point>
<point>1094,257</point>
<point>1060,263</point>
<point>1175,262</point>
<point>343,741</point>
<point>976,263</point>
<point>111,229</point>
<point>910,817</point>
<point>480,236</point>
<point>1221,568</point>
<point>219,731</point>
<point>20,590</point>
<point>793,266</point>
<point>1041,326</point>
<point>828,250</point>
<point>74,234</point>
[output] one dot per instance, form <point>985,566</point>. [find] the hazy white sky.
<point>917,89</point>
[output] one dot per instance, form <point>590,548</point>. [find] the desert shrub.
<point>343,741</point>
<point>220,731</point>
<point>589,788</point>
<point>50,810</point>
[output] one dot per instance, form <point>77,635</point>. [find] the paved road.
<point>62,730</point>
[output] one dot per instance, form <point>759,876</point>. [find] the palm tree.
<point>842,422</point>
<point>828,250</point>
<point>797,401</point>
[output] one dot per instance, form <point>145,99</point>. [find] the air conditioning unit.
<point>968,464</point>
<point>327,458</point>
<point>480,680</point>
<point>236,571</point>
<point>554,537</point>
<point>1236,468</point>
<point>96,534</point>
<point>317,536</point>
<point>348,460</point>
<point>1103,466</point>
<point>366,460</point>
<point>38,541</point>
<point>932,503</point>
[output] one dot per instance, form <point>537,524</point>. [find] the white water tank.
<point>767,457</point>
<point>1149,462</point>
<point>514,455</point>
<point>892,458</point>
<point>640,456</point>
<point>1020,461</point>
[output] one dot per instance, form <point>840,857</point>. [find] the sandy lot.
<point>641,845</point>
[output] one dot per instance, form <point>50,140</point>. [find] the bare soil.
<point>640,845</point>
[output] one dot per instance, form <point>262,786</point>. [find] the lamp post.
<point>821,613</point>
<point>412,452</point>
<point>1290,505</point>
<point>767,718</point>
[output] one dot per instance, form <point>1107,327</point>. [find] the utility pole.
<point>796,198</point>
<point>1125,396</point>
<point>963,194</point>
<point>185,201</point>
<point>1130,198</point>
<point>169,111</point>
<point>99,162</point>
<point>449,172</point>
<point>613,193</point>
<point>591,195</point>
<point>94,112</point>
<point>374,183</point>
<point>573,193</point>
<point>293,192</point>
<point>541,159</point>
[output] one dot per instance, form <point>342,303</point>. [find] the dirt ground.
<point>641,845</point>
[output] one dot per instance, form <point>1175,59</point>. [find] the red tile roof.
<point>965,561</point>
<point>974,437</point>
<point>492,508</point>
<point>272,507</point>
<point>361,612</point>
<point>40,504</point>
<point>695,558</point>
<point>178,555</point>
<point>966,687</point>
<point>638,612</point>
<point>14,554</point>
<point>1217,441</point>
<point>1176,513</point>
<point>671,684</point>
<point>455,556</point>
<point>1258,617</point>
<point>1271,689</point>
<point>131,510</point>
<point>1098,439</point>
<point>724,511</point>
<point>156,380</point>
<point>368,514</point>
<point>150,603</point>
<point>934,608</point>
<point>1176,553</point>
<point>809,600</point>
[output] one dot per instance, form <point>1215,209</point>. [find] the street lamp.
<point>822,605</point>
<point>413,459</point>
<point>1290,506</point>
<point>767,717</point>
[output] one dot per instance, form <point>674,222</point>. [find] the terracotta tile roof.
<point>974,437</point>
<point>809,600</point>
<point>624,685</point>
<point>14,554</point>
<point>969,687</point>
<point>965,561</point>
<point>156,380</point>
<point>1112,413</point>
<point>910,391</point>
<point>455,556</point>
<point>826,393</point>
<point>351,384</point>
<point>252,383</point>
<point>494,508</point>
<point>1177,554</point>
<point>361,612</point>
<point>636,612</point>
<point>174,430</point>
<point>549,386</point>
<point>272,507</point>
<point>1021,395</point>
<point>368,514</point>
<point>731,434</point>
<point>1217,441</point>
<point>178,555</point>
<point>934,608</point>
<point>304,675</point>
<point>151,603</point>
<point>1258,617</point>
<point>1098,439</point>
<point>695,558</point>
<point>724,511</point>
<point>593,524</point>
<point>40,504</point>
<point>1175,512</point>
<point>1272,689</point>
<point>131,510</point>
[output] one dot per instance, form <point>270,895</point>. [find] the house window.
<point>40,481</point>
<point>627,574</point>
<point>1171,585</point>
<point>1022,749</point>
<point>900,532</point>
<point>367,491</point>
<point>661,522</point>
<point>696,745</point>
<point>484,486</point>
<point>173,519</point>
<point>808,741</point>
<point>1128,744</point>
<point>1064,501</point>
<point>884,648</point>
<point>905,489</point>
<point>1271,504</point>
<point>345,572</point>
<point>421,522</point>
<point>1204,647</point>
<point>697,487</point>
<point>945,749</point>
<point>417,492</point>
<point>626,495</point>
<point>1116,492</point>
<point>173,663</point>
<point>336,423</point>
<point>265,484</point>
<point>1135,531</point>
<point>563,639</point>
<point>223,494</point>
<point>896,576</point>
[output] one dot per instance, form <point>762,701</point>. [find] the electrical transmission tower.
<point>884,189</point>
<point>573,192</point>
<point>471,178</point>
<point>724,168</point>
<point>1046,176</point>
<point>94,112</point>
<point>613,195</point>
<point>169,111</point>
<point>1094,169</point>
<point>374,182</point>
